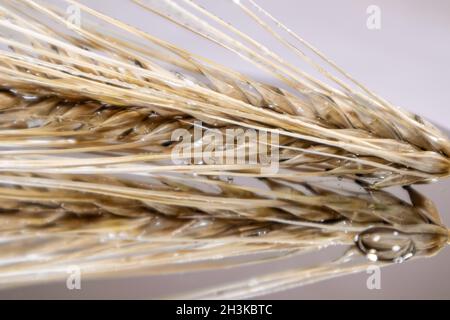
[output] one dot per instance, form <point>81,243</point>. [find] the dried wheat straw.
<point>82,106</point>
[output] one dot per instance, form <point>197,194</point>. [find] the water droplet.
<point>386,243</point>
<point>399,260</point>
<point>29,97</point>
<point>372,257</point>
<point>35,123</point>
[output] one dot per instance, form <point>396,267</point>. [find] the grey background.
<point>406,62</point>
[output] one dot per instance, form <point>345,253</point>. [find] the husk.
<point>86,118</point>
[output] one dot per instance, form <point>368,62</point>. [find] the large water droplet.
<point>385,244</point>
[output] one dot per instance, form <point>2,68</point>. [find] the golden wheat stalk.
<point>81,107</point>
<point>51,127</point>
<point>355,128</point>
<point>176,224</point>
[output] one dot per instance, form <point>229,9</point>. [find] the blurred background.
<point>405,61</point>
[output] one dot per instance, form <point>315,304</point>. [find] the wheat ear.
<point>356,128</point>
<point>86,121</point>
<point>178,224</point>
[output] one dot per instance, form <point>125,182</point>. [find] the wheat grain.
<point>131,226</point>
<point>350,123</point>
<point>82,106</point>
